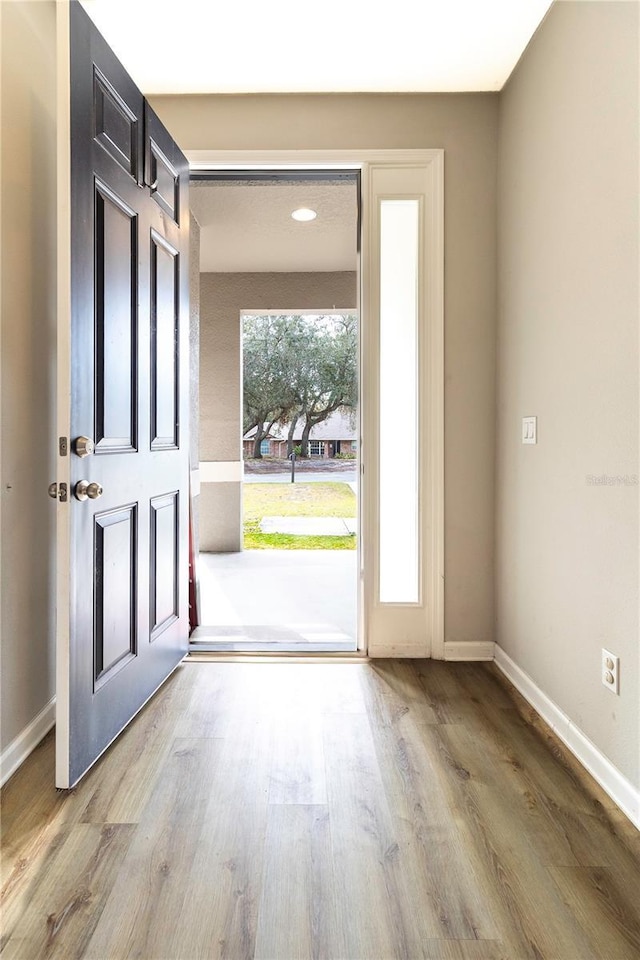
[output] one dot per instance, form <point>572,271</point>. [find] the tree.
<point>268,395</point>
<point>332,376</point>
<point>296,368</point>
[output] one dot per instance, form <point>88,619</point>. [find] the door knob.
<point>83,446</point>
<point>84,490</point>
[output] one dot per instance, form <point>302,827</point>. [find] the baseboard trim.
<point>21,746</point>
<point>392,651</point>
<point>468,650</point>
<point>614,783</point>
<point>463,650</point>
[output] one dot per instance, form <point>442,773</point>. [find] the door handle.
<point>85,490</point>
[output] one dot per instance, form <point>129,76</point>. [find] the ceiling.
<point>247,226</point>
<point>202,46</point>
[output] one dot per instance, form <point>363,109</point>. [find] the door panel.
<point>163,179</point>
<point>165,582</point>
<point>115,591</point>
<point>165,346</point>
<point>116,322</point>
<point>115,125</point>
<point>128,552</point>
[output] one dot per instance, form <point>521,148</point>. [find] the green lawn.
<point>296,500</point>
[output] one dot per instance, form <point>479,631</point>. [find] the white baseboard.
<point>21,746</point>
<point>468,650</point>
<point>453,650</point>
<point>393,651</point>
<point>621,790</point>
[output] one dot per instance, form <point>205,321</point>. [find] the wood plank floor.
<point>334,811</point>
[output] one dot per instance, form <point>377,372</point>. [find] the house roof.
<point>337,426</point>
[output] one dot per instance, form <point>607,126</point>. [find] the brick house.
<point>337,434</point>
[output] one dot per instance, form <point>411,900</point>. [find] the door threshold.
<point>258,638</point>
<point>253,647</point>
<point>272,656</point>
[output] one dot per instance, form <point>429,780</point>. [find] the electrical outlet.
<point>610,672</point>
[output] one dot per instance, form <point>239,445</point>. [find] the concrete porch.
<point>278,600</point>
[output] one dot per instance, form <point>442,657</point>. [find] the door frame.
<point>431,379</point>
<point>63,373</point>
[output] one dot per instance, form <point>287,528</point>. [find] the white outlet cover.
<point>610,666</point>
<point>529,429</point>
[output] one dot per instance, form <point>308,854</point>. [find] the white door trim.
<point>306,159</point>
<point>432,505</point>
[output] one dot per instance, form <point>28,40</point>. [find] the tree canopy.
<point>297,367</point>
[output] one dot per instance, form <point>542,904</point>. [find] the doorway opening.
<point>277,517</point>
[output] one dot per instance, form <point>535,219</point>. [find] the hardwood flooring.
<point>331,811</point>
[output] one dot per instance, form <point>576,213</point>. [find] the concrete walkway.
<point>310,526</point>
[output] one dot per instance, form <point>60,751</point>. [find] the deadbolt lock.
<point>83,446</point>
<point>84,490</point>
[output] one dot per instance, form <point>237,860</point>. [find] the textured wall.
<point>222,297</point>
<point>466,126</point>
<point>28,393</point>
<point>567,569</point>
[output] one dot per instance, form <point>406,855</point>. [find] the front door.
<point>123,340</point>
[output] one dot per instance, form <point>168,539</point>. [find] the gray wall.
<point>466,126</point>
<point>567,551</point>
<point>28,331</point>
<point>222,297</point>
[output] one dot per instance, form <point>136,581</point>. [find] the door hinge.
<point>63,446</point>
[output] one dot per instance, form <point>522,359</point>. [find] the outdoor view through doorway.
<point>278,564</point>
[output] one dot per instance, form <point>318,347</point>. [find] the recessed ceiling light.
<point>304,213</point>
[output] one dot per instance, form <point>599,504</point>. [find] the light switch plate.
<point>529,429</point>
